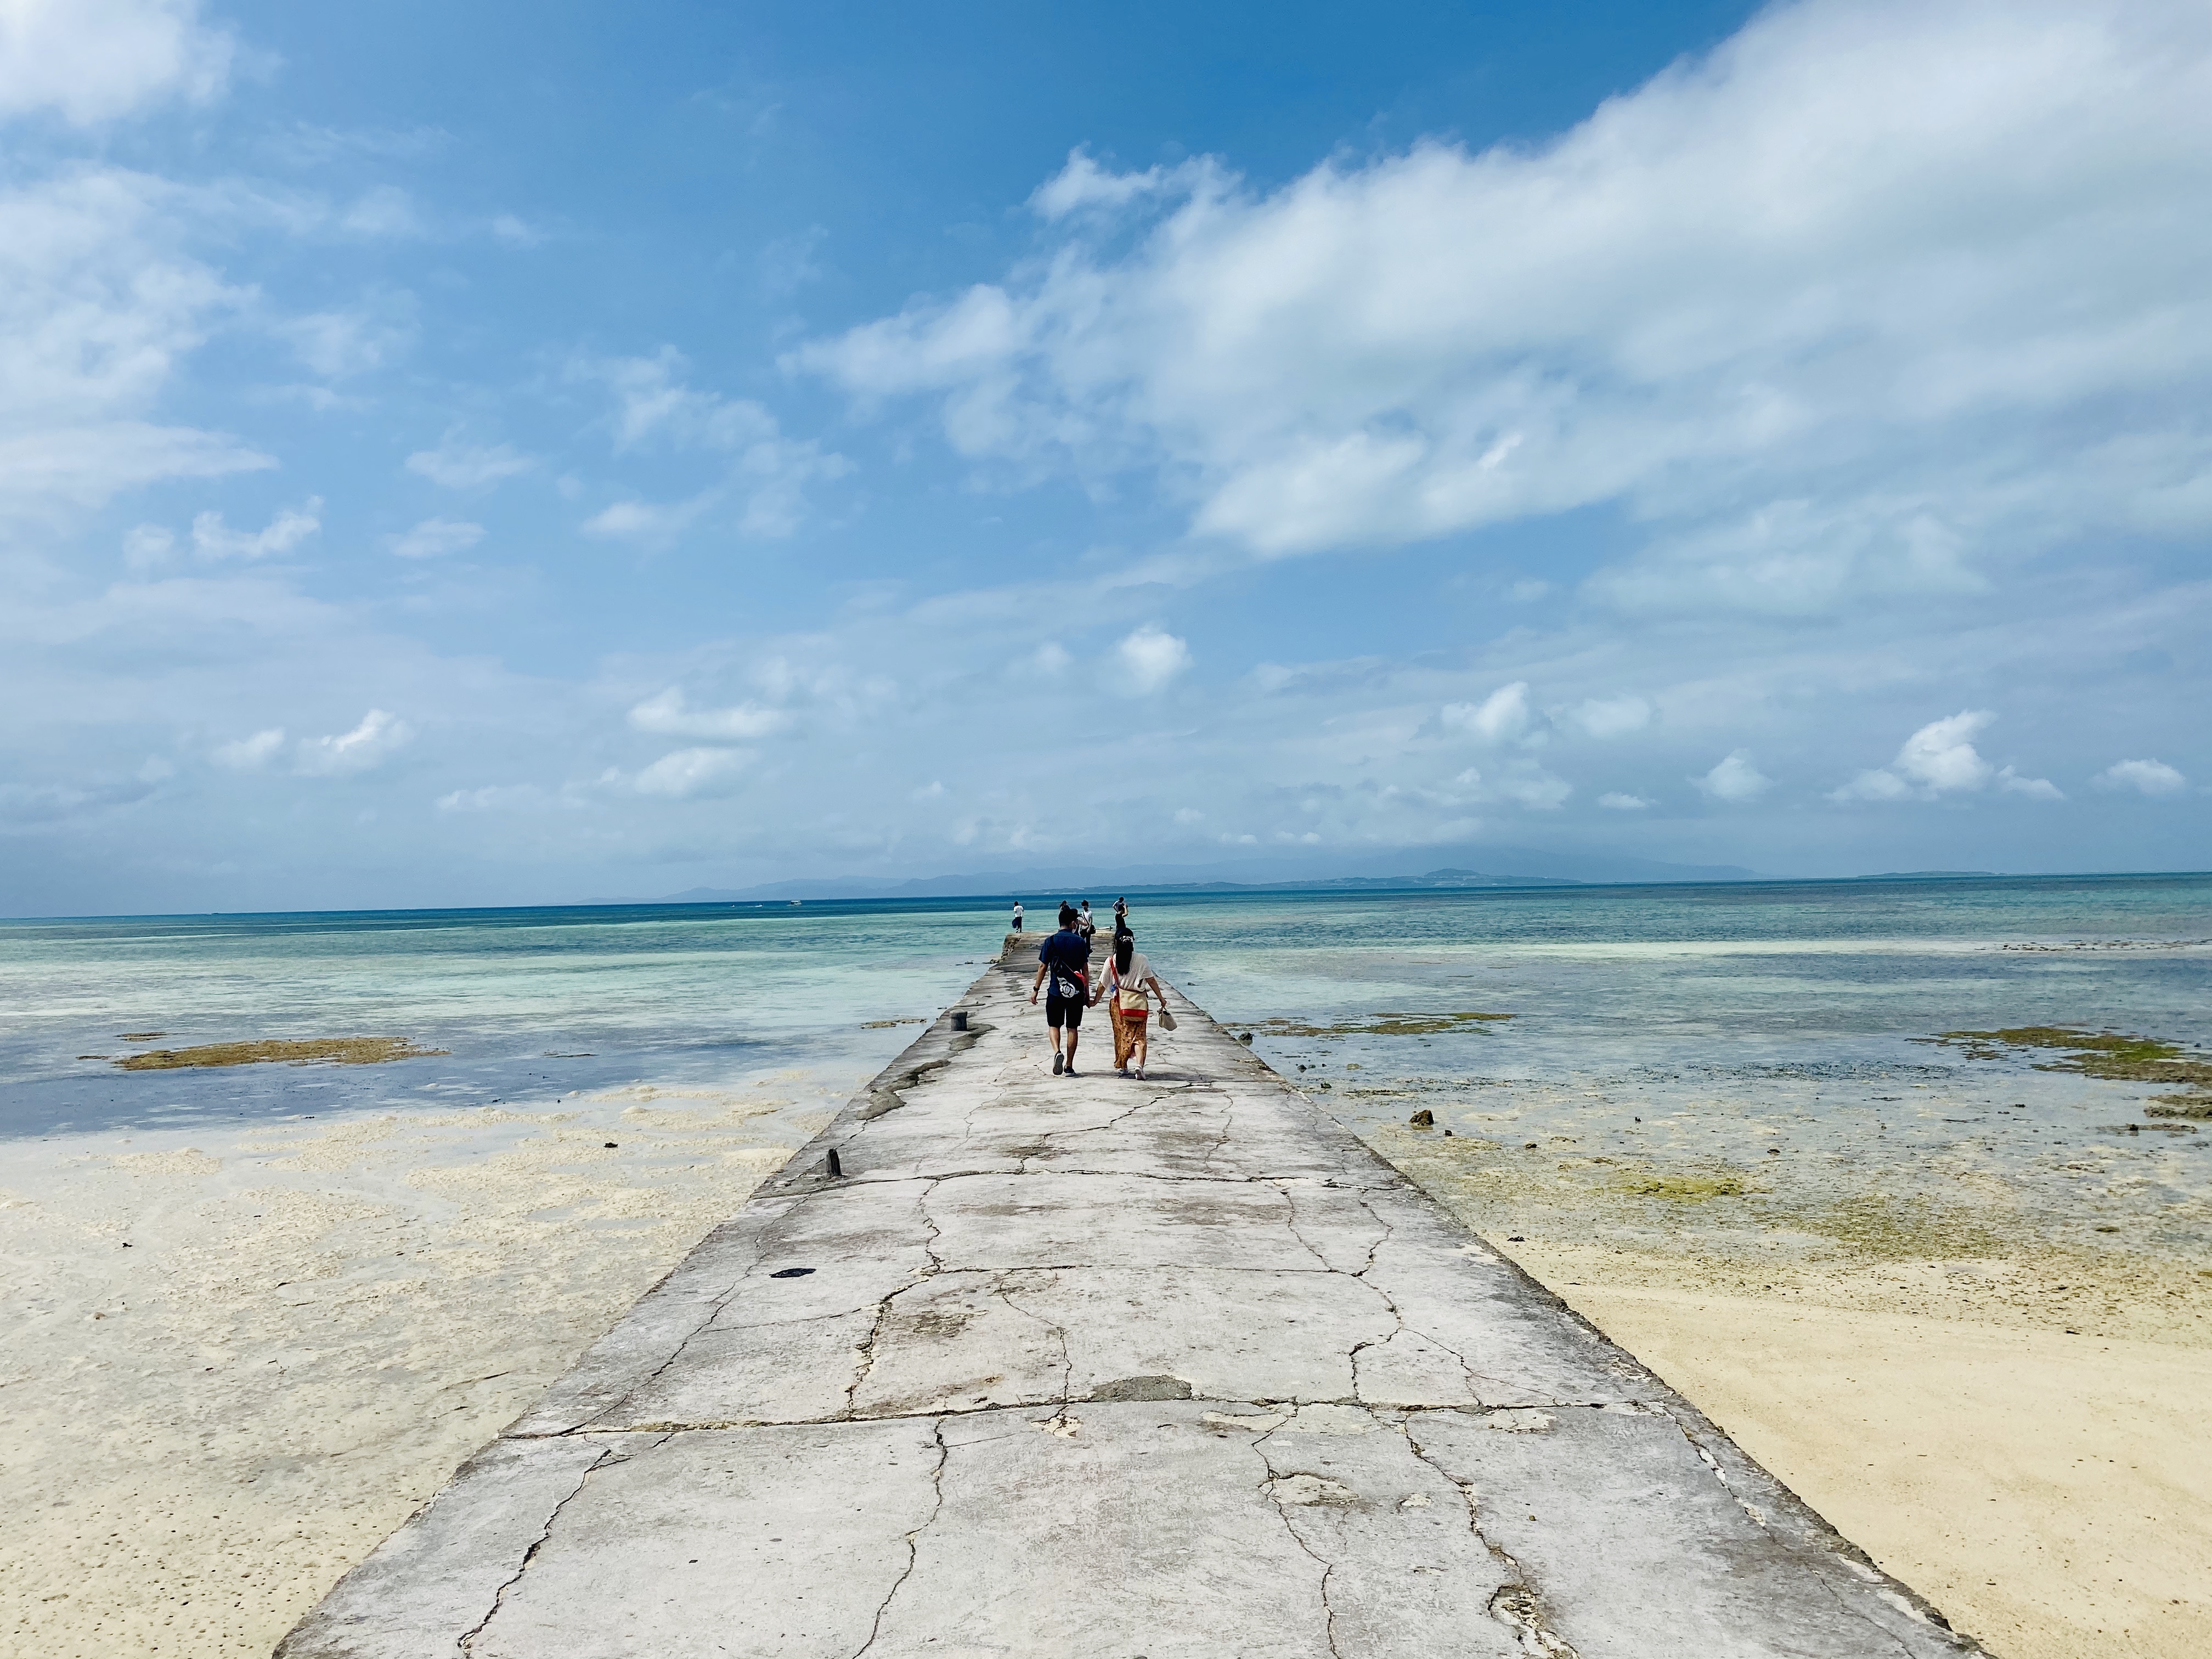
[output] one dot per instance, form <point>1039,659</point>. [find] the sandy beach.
<point>2015,1432</point>
<point>239,1358</point>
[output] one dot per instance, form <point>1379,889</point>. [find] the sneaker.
<point>1071,1071</point>
<point>1124,1072</point>
<point>1055,1062</point>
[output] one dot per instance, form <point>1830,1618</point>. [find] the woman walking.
<point>1129,987</point>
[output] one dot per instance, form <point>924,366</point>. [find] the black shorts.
<point>1063,1011</point>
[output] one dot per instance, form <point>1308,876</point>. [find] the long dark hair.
<point>1124,946</point>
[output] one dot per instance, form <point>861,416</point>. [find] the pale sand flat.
<point>2052,1493</point>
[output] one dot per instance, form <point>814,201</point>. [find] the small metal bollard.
<point>959,1019</point>
<point>835,1168</point>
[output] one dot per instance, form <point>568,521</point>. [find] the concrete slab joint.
<point>1096,1366</point>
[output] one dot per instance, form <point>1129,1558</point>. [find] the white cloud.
<point>98,304</point>
<point>338,344</point>
<point>1534,787</point>
<point>386,211</point>
<point>377,737</point>
<point>146,546</point>
<point>2033,788</point>
<point>1614,801</point>
<point>1830,309</point>
<point>1614,717</point>
<point>246,754</point>
<point>655,406</point>
<point>1941,759</point>
<point>2146,777</point>
<point>649,522</point>
<point>1734,779</point>
<point>1501,717</point>
<point>1083,184</point>
<point>460,466</point>
<point>668,712</point>
<point>435,538</point>
<point>97,60</point>
<point>688,772</point>
<point>214,539</point>
<point>1150,659</point>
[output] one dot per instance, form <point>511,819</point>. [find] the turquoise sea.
<point>1686,1022</point>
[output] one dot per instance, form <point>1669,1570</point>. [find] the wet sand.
<point>311,1324</point>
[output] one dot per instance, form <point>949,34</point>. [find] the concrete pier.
<point>1163,1370</point>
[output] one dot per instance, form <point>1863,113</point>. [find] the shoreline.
<point>2017,1436</point>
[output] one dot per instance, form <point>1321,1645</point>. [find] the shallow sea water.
<point>1773,1032</point>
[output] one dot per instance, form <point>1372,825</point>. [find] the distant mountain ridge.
<point>1511,867</point>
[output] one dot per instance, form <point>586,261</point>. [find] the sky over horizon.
<point>512,454</point>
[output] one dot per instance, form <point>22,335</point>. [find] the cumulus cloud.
<point>91,61</point>
<point>1819,308</point>
<point>2145,777</point>
<point>1734,779</point>
<point>1502,717</point>
<point>213,539</point>
<point>377,735</point>
<point>435,538</point>
<point>251,753</point>
<point>460,465</point>
<point>669,713</point>
<point>1150,658</point>
<point>1614,801</point>
<point>687,772</point>
<point>1941,759</point>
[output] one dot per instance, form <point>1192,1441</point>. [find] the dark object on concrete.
<point>791,1272</point>
<point>1424,1119</point>
<point>611,1146</point>
<point>835,1168</point>
<point>1142,1388</point>
<point>959,1019</point>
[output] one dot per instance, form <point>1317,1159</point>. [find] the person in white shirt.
<point>1129,987</point>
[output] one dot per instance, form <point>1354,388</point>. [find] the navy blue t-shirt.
<point>1067,955</point>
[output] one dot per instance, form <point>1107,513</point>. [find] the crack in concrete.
<point>605,1459</point>
<point>1515,1602</point>
<point>866,1350</point>
<point>913,1542</point>
<point>1327,1567</point>
<point>1060,1332</point>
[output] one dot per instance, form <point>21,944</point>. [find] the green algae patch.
<point>1381,1025</point>
<point>1684,1188</point>
<point>2118,1056</point>
<point>2188,1106</point>
<point>313,1051</point>
<point>1893,1229</point>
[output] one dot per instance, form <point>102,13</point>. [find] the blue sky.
<point>504,454</point>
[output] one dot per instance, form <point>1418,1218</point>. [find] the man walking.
<point>1065,959</point>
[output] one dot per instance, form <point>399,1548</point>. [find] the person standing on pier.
<point>1065,958</point>
<point>1083,925</point>
<point>1129,989</point>
<point>1017,915</point>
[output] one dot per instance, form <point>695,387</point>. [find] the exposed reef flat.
<point>311,1051</point>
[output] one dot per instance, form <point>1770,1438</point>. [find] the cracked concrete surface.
<point>1094,1366</point>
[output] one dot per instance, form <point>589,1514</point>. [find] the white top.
<point>1139,970</point>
